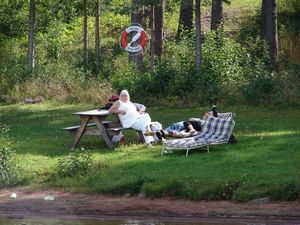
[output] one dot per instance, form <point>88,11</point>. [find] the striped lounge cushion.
<point>216,130</point>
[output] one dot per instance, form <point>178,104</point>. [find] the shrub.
<point>289,79</point>
<point>76,163</point>
<point>260,85</point>
<point>9,169</point>
<point>262,89</point>
<point>8,166</point>
<point>125,78</point>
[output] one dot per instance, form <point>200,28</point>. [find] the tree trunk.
<point>97,38</point>
<point>159,10</point>
<point>263,19</point>
<point>31,35</point>
<point>85,34</point>
<point>216,14</point>
<point>185,18</point>
<point>198,35</point>
<point>152,40</point>
<point>269,30</point>
<point>137,12</point>
<point>137,16</point>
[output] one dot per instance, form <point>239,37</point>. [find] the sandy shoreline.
<point>70,205</point>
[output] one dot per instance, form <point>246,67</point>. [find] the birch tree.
<point>198,35</point>
<point>85,34</point>
<point>31,34</point>
<point>97,37</point>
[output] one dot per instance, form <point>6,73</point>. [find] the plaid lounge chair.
<point>215,131</point>
<point>226,115</point>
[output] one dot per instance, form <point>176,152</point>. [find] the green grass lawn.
<point>264,162</point>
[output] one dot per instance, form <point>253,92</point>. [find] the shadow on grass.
<point>266,155</point>
<point>218,175</point>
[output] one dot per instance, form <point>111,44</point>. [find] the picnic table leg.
<point>103,132</point>
<point>79,133</point>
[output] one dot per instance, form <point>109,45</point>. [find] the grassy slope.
<point>265,162</point>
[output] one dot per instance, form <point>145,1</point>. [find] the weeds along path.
<point>30,202</point>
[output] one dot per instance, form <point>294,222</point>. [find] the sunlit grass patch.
<point>266,155</point>
<point>273,134</point>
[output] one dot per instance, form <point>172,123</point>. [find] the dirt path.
<point>66,204</point>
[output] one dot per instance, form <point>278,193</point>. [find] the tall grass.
<point>245,3</point>
<point>65,91</point>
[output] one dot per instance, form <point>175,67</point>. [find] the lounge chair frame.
<point>215,131</point>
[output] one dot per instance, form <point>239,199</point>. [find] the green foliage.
<point>222,64</point>
<point>8,166</point>
<point>117,6</point>
<point>290,6</point>
<point>239,72</point>
<point>161,81</point>
<point>13,58</point>
<point>262,89</point>
<point>261,85</point>
<point>250,25</point>
<point>289,80</point>
<point>125,79</point>
<point>235,69</point>
<point>13,18</point>
<point>76,163</point>
<point>9,169</point>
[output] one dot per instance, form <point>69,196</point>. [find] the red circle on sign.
<point>142,41</point>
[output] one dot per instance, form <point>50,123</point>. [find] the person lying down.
<point>190,127</point>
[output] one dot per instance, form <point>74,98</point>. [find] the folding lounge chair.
<point>215,131</point>
<point>226,115</point>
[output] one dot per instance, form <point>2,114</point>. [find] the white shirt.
<point>131,116</point>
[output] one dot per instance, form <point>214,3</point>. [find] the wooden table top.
<point>94,112</point>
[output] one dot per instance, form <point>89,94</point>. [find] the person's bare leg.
<point>206,115</point>
<point>149,132</point>
<point>191,128</point>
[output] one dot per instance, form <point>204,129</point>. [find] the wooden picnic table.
<point>100,126</point>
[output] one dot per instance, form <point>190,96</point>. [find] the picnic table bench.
<point>99,127</point>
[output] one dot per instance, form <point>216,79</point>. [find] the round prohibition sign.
<point>139,39</point>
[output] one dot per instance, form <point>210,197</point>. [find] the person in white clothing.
<point>130,117</point>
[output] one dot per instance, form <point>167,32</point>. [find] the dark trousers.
<point>196,124</point>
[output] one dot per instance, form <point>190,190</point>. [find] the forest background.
<point>235,59</point>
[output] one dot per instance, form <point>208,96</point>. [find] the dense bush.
<point>76,163</point>
<point>233,72</point>
<point>9,169</point>
<point>228,69</point>
<point>289,81</point>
